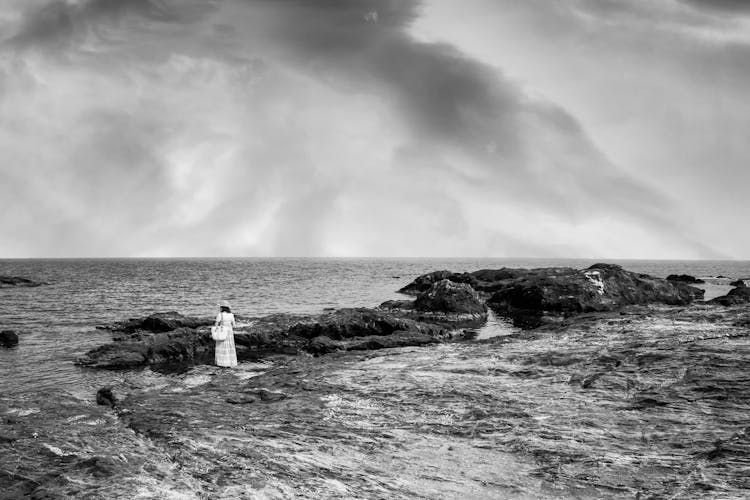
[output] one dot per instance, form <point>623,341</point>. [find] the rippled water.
<point>56,322</point>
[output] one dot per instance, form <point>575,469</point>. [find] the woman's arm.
<point>218,319</point>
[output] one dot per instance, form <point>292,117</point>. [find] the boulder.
<point>566,291</point>
<point>178,346</point>
<point>450,297</point>
<point>156,323</point>
<point>684,278</point>
<point>736,296</point>
<point>323,345</point>
<point>16,281</point>
<point>8,338</point>
<point>424,282</point>
<point>738,283</point>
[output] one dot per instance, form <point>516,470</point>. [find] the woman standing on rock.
<point>226,355</point>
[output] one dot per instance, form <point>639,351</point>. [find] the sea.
<point>57,322</point>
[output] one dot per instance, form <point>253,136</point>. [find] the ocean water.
<point>56,322</point>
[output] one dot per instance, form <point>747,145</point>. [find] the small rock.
<point>106,397</point>
<point>8,338</point>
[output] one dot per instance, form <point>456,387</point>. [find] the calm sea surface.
<point>56,322</point>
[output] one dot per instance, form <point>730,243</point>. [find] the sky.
<point>381,128</point>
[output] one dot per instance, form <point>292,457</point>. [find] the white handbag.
<point>218,333</point>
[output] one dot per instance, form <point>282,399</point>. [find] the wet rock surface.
<point>8,338</point>
<point>18,282</point>
<point>178,346</point>
<point>156,323</point>
<point>449,297</point>
<point>736,296</point>
<point>684,278</point>
<point>650,401</point>
<point>360,322</point>
<point>350,329</point>
<point>532,297</point>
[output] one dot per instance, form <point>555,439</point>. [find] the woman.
<point>225,352</point>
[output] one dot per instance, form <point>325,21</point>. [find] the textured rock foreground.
<point>645,402</point>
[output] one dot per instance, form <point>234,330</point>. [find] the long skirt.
<point>226,355</point>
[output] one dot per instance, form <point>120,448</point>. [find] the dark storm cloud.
<point>465,122</point>
<point>57,22</point>
<point>449,98</point>
<point>730,6</point>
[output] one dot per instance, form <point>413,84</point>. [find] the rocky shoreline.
<point>446,304</point>
<point>619,385</point>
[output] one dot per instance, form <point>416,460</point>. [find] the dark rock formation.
<point>447,296</point>
<point>157,322</point>
<point>178,346</point>
<point>106,397</point>
<point>396,339</point>
<point>684,278</point>
<point>360,322</point>
<point>344,329</point>
<point>16,281</point>
<point>8,338</point>
<point>566,291</point>
<point>736,296</point>
<point>424,282</point>
<point>447,303</point>
<point>738,283</point>
<point>325,345</point>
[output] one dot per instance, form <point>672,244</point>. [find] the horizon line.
<point>197,257</point>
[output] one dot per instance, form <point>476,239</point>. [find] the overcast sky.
<point>506,128</point>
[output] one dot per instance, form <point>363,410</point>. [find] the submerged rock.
<point>684,278</point>
<point>16,281</point>
<point>8,338</point>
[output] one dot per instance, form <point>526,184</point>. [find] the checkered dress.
<point>226,355</point>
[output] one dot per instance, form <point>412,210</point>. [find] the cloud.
<point>293,127</point>
<point>729,6</point>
